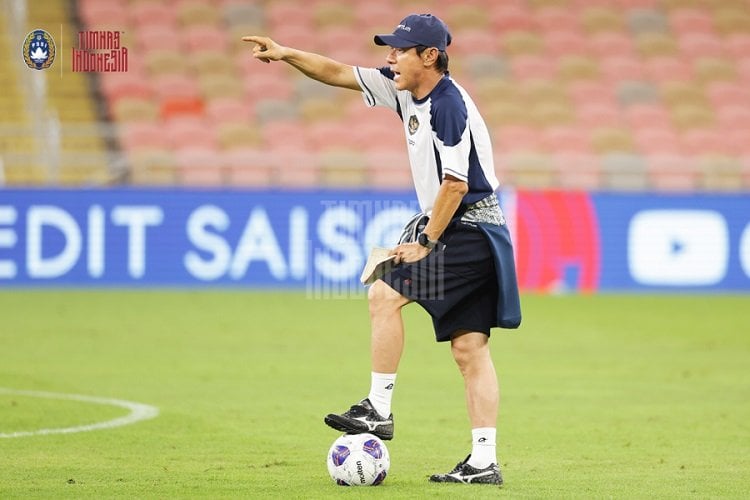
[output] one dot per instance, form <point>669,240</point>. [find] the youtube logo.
<point>678,247</point>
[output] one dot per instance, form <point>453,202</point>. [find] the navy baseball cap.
<point>417,29</point>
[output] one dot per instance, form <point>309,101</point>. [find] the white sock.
<point>381,392</point>
<point>483,447</point>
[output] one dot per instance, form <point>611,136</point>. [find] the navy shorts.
<point>456,283</point>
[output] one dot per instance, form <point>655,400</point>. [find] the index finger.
<point>253,38</point>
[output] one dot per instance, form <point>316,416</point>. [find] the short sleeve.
<point>449,121</point>
<point>377,88</point>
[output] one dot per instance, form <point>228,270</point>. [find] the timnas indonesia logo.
<point>39,50</point>
<point>100,52</point>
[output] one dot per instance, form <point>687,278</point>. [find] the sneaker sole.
<point>346,425</point>
<point>452,480</point>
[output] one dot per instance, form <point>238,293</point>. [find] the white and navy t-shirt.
<point>445,135</point>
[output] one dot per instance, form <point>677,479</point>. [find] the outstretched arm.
<point>315,66</point>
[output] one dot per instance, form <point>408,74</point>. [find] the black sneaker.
<point>465,473</point>
<point>362,418</point>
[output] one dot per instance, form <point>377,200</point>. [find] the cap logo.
<point>403,27</point>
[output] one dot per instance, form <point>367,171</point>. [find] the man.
<point>460,268</point>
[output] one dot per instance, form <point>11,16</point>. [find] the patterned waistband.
<point>485,210</point>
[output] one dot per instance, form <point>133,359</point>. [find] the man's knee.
<point>469,348</point>
<point>382,298</point>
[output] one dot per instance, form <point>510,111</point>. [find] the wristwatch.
<point>425,241</point>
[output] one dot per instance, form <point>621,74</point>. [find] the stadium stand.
<point>579,94</point>
<point>50,133</point>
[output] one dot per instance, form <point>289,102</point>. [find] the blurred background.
<point>579,94</point>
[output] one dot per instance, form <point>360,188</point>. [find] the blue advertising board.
<point>319,239</point>
<point>126,237</point>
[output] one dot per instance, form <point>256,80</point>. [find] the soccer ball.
<point>358,460</point>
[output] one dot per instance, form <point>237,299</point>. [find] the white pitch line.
<point>138,412</point>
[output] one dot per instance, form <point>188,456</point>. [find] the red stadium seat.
<point>592,92</point>
<point>199,166</point>
<point>638,4</point>
<point>158,37</point>
<point>578,171</point>
<point>598,115</point>
<point>559,43</point>
<point>622,68</point>
<point>743,70</point>
<point>700,45</point>
<point>102,14</point>
<point>227,109</point>
<point>143,135</point>
<point>288,13</point>
<point>737,45</point>
<point>181,106</point>
<point>268,86</point>
<point>147,14</point>
<point>474,41</point>
<point>296,169</point>
<point>175,84</point>
<point>657,140</point>
<point>687,20</point>
<point>516,138</point>
<point>532,68</point>
<point>671,172</point>
<point>567,140</point>
<point>643,116</point>
<point>284,133</point>
<point>506,17</point>
<point>379,15</point>
<point>190,132</point>
<point>662,69</point>
<point>608,44</point>
<point>338,37</point>
<point>126,84</point>
<point>738,140</point>
<point>705,141</point>
<point>580,5</point>
<point>373,134</point>
<point>729,116</point>
<point>556,18</point>
<point>206,37</point>
<point>249,167</point>
<point>728,94</point>
<point>388,168</point>
<point>324,134</point>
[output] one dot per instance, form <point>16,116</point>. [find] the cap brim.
<point>393,41</point>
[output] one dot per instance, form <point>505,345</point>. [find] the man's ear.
<point>429,56</point>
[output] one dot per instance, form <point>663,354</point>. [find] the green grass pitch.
<point>621,396</point>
